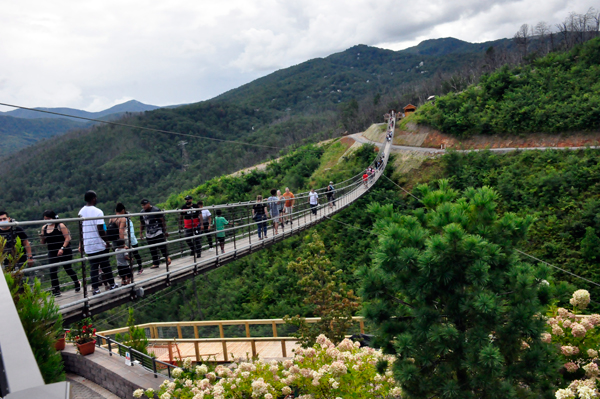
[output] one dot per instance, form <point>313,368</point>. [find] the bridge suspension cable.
<point>142,127</point>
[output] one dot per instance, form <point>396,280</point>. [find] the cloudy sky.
<point>94,54</point>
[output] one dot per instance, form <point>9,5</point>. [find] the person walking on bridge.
<point>58,239</point>
<point>156,232</point>
<point>206,218</point>
<point>10,234</point>
<point>95,243</point>
<point>190,221</point>
<point>127,233</point>
<point>274,202</point>
<point>220,222</point>
<point>260,215</point>
<point>313,200</point>
<point>331,194</point>
<point>289,205</point>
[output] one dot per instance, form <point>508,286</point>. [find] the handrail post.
<point>249,229</point>
<point>109,346</point>
<point>234,229</point>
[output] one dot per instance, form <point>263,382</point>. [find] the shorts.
<point>289,210</point>
<point>221,239</point>
<point>275,219</point>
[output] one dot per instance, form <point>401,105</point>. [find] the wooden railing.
<point>153,332</point>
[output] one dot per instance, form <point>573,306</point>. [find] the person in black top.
<point>58,239</point>
<point>331,194</point>
<point>191,222</point>
<point>156,232</point>
<point>260,214</point>
<point>10,234</point>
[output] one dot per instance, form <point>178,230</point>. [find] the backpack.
<point>112,230</point>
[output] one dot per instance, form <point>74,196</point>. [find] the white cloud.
<point>95,53</point>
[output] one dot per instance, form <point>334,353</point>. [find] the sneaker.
<point>78,286</point>
<point>96,291</point>
<point>287,221</point>
<point>56,294</point>
<point>112,287</point>
<point>211,249</point>
<point>154,267</point>
<point>140,271</point>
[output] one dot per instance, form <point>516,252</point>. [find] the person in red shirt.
<point>366,178</point>
<point>190,221</point>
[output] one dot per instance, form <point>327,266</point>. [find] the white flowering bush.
<point>322,371</point>
<point>578,341</point>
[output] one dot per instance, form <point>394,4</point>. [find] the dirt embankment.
<point>424,136</point>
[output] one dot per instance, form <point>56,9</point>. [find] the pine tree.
<point>453,301</point>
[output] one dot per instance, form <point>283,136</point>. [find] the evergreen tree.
<point>455,304</point>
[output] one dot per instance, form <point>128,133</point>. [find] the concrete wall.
<point>110,372</point>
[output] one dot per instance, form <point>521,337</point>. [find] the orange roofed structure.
<point>409,109</point>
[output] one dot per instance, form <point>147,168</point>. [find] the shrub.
<point>322,371</point>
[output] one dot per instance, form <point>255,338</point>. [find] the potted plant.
<point>82,335</point>
<point>59,345</point>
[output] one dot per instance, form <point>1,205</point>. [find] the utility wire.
<point>558,268</point>
<point>402,188</point>
<point>140,127</point>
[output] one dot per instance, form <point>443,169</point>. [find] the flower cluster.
<point>82,332</point>
<point>578,339</point>
<point>323,371</point>
<point>580,299</point>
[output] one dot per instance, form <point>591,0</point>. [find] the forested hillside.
<point>300,104</point>
<point>557,93</point>
<point>17,133</point>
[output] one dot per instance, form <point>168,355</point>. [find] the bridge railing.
<point>70,275</point>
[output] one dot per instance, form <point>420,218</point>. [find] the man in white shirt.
<point>207,223</point>
<point>313,200</point>
<point>95,242</point>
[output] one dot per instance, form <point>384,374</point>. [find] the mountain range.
<point>21,128</point>
<point>267,117</point>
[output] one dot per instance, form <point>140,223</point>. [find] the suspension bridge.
<point>241,240</point>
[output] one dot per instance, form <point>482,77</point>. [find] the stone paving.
<point>82,388</point>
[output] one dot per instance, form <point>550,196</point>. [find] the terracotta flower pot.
<point>59,345</point>
<point>87,349</point>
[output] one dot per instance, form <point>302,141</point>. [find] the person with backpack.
<point>190,221</point>
<point>274,203</point>
<point>156,232</point>
<point>10,235</point>
<point>127,233</point>
<point>58,239</point>
<point>95,243</point>
<point>331,194</point>
<point>260,215</point>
